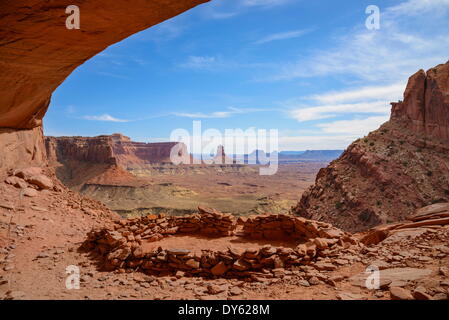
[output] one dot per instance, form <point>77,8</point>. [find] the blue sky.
<point>310,69</point>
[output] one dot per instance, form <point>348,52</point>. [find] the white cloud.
<point>105,117</point>
<point>348,103</point>
<point>200,62</point>
<point>225,9</point>
<point>391,92</point>
<point>358,127</point>
<point>283,36</point>
<point>212,63</point>
<point>264,3</point>
<point>222,15</point>
<point>199,115</point>
<point>405,43</point>
<point>413,7</point>
<point>218,114</point>
<point>382,60</point>
<point>71,109</point>
<point>330,111</point>
<point>321,142</point>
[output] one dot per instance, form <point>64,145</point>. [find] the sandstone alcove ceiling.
<point>37,52</point>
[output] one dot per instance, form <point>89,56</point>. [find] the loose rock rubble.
<point>433,215</point>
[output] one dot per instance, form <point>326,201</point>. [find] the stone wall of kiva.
<point>207,222</point>
<point>287,227</point>
<point>119,247</point>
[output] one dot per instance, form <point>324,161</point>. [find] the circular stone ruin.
<point>213,244</point>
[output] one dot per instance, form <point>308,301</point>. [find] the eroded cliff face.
<point>106,159</point>
<point>402,166</point>
<point>21,148</point>
<point>37,52</point>
<point>94,150</point>
<point>115,149</point>
<point>426,103</point>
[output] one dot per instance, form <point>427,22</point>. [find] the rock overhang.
<point>38,52</point>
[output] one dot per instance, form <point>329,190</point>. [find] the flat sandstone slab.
<point>397,276</point>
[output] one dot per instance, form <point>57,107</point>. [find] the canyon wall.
<point>37,52</point>
<point>92,150</point>
<point>21,148</point>
<point>402,166</point>
<point>115,149</point>
<point>426,103</point>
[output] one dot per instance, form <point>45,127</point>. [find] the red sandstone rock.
<point>114,149</point>
<point>402,166</point>
<point>21,148</point>
<point>123,245</point>
<point>219,269</point>
<point>426,103</point>
<point>41,181</point>
<point>53,52</point>
<point>27,172</point>
<point>38,52</point>
<point>16,182</point>
<point>398,293</point>
<point>29,192</point>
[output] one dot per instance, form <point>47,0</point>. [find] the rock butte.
<point>115,149</point>
<point>37,53</point>
<point>402,166</point>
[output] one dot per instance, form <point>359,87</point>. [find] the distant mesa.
<point>310,155</point>
<point>261,157</point>
<point>111,149</point>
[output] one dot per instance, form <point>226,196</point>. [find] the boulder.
<point>29,192</point>
<point>241,265</point>
<point>16,182</point>
<point>27,173</point>
<point>41,181</point>
<point>349,296</point>
<point>420,294</point>
<point>219,269</point>
<point>192,263</point>
<point>179,252</point>
<point>397,293</point>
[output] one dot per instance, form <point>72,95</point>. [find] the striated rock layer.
<point>103,160</point>
<point>37,52</point>
<point>402,166</point>
<point>426,103</point>
<point>114,149</point>
<point>21,148</point>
